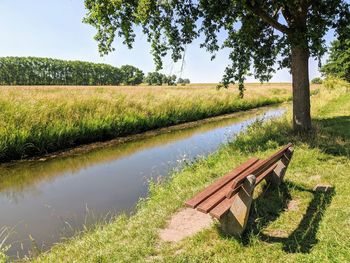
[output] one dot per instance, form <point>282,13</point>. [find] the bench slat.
<point>237,182</point>
<point>210,190</point>
<point>213,200</point>
<point>264,174</point>
<point>220,195</point>
<point>222,208</point>
<point>264,165</point>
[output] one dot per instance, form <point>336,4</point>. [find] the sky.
<point>54,28</point>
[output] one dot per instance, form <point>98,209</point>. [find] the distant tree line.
<point>158,79</point>
<point>48,71</point>
<point>183,81</point>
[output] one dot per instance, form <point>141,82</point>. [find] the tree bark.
<point>301,88</point>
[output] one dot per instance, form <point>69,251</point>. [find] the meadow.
<point>293,224</point>
<point>36,120</point>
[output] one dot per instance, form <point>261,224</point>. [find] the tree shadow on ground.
<point>269,206</point>
<point>330,135</point>
<point>266,208</point>
<point>334,135</point>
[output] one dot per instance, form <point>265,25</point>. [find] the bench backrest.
<point>259,169</point>
<point>217,197</point>
<point>221,182</point>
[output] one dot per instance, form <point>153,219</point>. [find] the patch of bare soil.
<point>185,223</point>
<point>277,233</point>
<point>293,205</point>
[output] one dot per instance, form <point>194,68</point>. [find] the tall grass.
<point>316,229</point>
<point>4,234</point>
<point>39,120</point>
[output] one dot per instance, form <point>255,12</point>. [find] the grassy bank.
<point>39,120</point>
<point>288,225</point>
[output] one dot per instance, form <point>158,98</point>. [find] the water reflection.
<point>49,199</point>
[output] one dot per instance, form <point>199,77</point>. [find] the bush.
<point>317,80</point>
<point>335,83</point>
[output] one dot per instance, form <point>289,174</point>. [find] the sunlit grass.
<point>317,229</point>
<point>36,120</point>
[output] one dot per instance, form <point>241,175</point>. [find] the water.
<point>44,201</point>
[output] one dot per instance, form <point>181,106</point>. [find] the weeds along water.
<point>39,120</point>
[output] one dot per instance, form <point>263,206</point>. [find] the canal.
<point>44,201</point>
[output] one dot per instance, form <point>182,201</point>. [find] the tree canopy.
<point>48,71</point>
<point>338,64</point>
<point>183,81</point>
<point>131,75</point>
<point>157,78</point>
<point>258,34</point>
<point>256,30</point>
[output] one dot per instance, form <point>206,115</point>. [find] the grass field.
<point>38,120</point>
<point>315,229</point>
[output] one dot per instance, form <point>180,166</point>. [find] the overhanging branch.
<point>257,10</point>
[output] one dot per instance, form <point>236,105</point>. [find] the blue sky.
<point>54,28</point>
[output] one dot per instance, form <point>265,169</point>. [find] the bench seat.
<point>217,198</point>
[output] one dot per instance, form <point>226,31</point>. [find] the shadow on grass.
<point>268,207</point>
<point>335,136</point>
<point>330,135</point>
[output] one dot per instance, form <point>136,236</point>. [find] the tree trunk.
<point>301,88</point>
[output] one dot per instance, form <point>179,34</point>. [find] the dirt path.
<point>185,223</point>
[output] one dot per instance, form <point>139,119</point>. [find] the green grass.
<point>40,120</point>
<point>317,229</point>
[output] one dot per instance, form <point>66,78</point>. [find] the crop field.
<point>37,120</point>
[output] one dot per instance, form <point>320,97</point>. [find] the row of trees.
<point>183,81</point>
<point>48,71</point>
<point>157,79</point>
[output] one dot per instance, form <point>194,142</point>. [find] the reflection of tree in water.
<point>14,196</point>
<point>19,179</point>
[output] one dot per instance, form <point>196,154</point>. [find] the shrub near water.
<point>331,83</point>
<point>37,120</point>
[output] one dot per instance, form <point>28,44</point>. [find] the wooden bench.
<point>229,198</point>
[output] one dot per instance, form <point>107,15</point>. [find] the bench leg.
<point>235,220</point>
<point>276,177</point>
